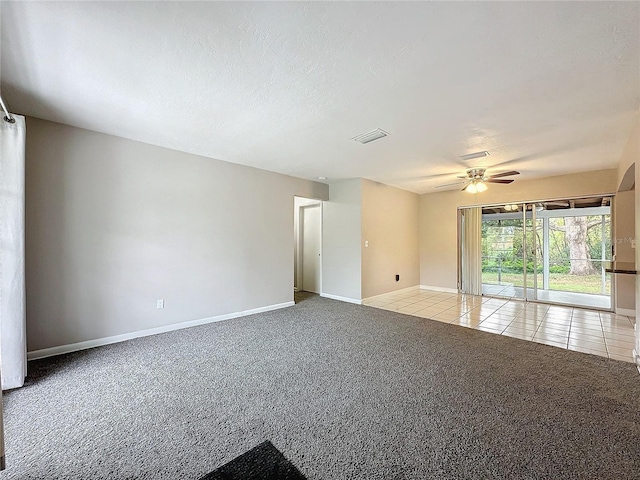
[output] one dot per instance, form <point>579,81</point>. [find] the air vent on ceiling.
<point>370,136</point>
<point>471,156</point>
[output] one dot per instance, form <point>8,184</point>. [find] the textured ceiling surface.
<point>547,88</point>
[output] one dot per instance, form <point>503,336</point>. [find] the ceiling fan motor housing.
<point>476,173</point>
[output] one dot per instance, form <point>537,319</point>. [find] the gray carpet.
<point>343,391</point>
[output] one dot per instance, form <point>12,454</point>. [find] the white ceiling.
<point>547,88</point>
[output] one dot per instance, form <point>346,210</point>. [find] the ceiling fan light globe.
<point>471,188</point>
<point>480,187</point>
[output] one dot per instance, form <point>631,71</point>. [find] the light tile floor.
<point>589,331</point>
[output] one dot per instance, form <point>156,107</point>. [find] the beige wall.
<point>635,152</point>
<point>362,211</point>
<point>637,218</point>
<point>390,226</point>
<point>629,155</point>
<point>113,225</point>
<point>438,215</point>
<point>341,235</point>
<point>628,173</point>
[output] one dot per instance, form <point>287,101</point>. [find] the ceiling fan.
<point>476,180</point>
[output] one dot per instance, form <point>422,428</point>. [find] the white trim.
<point>636,359</point>
<point>541,200</point>
<point>629,312</point>
<point>267,308</point>
<point>74,347</point>
<point>559,213</point>
<point>439,289</point>
<point>407,289</point>
<point>341,299</point>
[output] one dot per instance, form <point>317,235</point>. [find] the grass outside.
<point>557,281</point>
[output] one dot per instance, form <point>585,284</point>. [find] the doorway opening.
<point>552,251</point>
<point>307,223</point>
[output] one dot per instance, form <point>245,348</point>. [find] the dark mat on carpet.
<point>264,462</point>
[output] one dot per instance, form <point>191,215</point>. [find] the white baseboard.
<point>268,308</point>
<point>401,290</point>
<point>636,358</point>
<point>439,289</point>
<point>629,312</point>
<point>74,347</point>
<point>342,299</point>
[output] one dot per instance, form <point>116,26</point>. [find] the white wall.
<point>390,226</point>
<point>341,236</point>
<point>438,215</point>
<point>113,225</point>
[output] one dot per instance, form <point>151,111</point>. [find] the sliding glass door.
<point>502,256</point>
<point>550,251</point>
<point>578,243</point>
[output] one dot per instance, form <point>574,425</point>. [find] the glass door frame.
<point>529,213</point>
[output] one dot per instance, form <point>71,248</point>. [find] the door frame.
<point>299,235</point>
<point>301,244</point>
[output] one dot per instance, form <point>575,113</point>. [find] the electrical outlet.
<point>160,303</point>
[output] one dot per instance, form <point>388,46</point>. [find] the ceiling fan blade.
<point>462,176</point>
<point>449,184</point>
<point>491,180</point>
<point>504,174</point>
